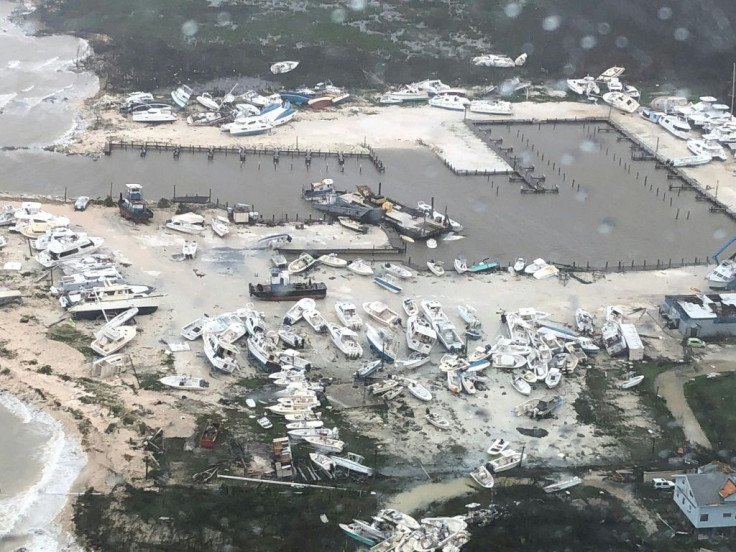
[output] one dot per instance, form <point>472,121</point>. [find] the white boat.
<point>445,330</point>
<point>283,67</point>
<point>271,240</point>
<point>439,218</point>
<point>383,342</point>
<point>454,383</point>
<point>219,227</point>
<point>221,355</point>
<point>632,91</point>
<point>189,223</point>
<point>552,380</point>
<point>58,251</point>
<point>264,422</point>
<point>85,280</point>
<point>509,459</point>
<point>468,314</point>
<point>420,336</point>
<point>181,95</point>
<point>436,420</point>
<point>621,101</point>
<point>414,360</point>
<point>410,307</point>
<point>359,266</point>
<point>611,73</point>
<point>449,101</point>
<point>631,381</point>
<point>387,284</point>
<point>315,319</point>
<point>308,425</point>
<point>584,321</point>
<point>111,339</point>
<point>346,340</point>
<point>562,485</point>
<point>295,313</point>
<point>112,365</point>
<point>322,461</point>
<point>189,249</point>
<point>453,363</point>
<point>291,410</point>
<point>353,462</point>
<point>351,224</point>
<point>467,382</point>
<point>494,60</point>
<point>325,443</point>
<point>291,338</point>
<point>534,266</point>
<point>249,126</point>
<point>51,234</point>
<point>676,126</point>
<point>407,93</point>
<point>418,390</point>
<point>584,87</point>
<point>206,100</point>
<point>497,446</point>
<point>547,271</point>
<point>304,262</point>
<point>383,386</point>
<point>185,382</point>
<point>367,369</point>
<point>613,339</point>
<point>707,147</point>
<point>519,265</point>
<point>154,115</point>
<point>398,270</point>
<point>114,299</point>
<point>490,107</point>
<point>690,160</point>
<point>436,267</point>
<point>614,85</point>
<point>521,385</point>
<point>483,477</point>
<point>723,276</point>
<point>347,313</point>
<point>380,312</point>
<point>333,260</point>
<point>81,203</point>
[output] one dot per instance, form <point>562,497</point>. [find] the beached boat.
<point>346,340</point>
<point>333,260</point>
<point>353,462</point>
<point>282,289</point>
<point>367,369</point>
<point>436,267</point>
<point>414,360</point>
<point>317,190</point>
<point>490,107</point>
<point>315,319</point>
<point>534,266</point>
<point>494,60</point>
<point>189,223</point>
<point>185,382</point>
<point>209,434</point>
<point>383,342</point>
<point>482,476</point>
<point>707,147</point>
<point>347,313</point>
<point>690,160</point>
<point>272,240</point>
<point>417,389</point>
<point>485,265</point>
<point>410,306</point>
<point>359,534</point>
<point>521,385</point>
<point>613,339</point>
<point>283,67</point>
<point>584,321</point>
<point>359,266</point>
<point>133,207</point>
<point>621,101</point>
<point>547,271</point>
<point>264,422</point>
<point>453,363</point>
<point>291,338</point>
<point>436,420</point>
<point>562,485</point>
<point>420,336</point>
<point>278,261</point>
<point>383,386</point>
<point>294,360</point>
<point>468,314</point>
<point>352,224</point>
<point>387,284</point>
<point>181,95</point>
<point>553,378</point>
<point>381,313</point>
<point>445,330</point>
<point>219,227</point>
<point>722,276</point>
<point>497,446</point>
<point>454,382</point>
<point>676,126</point>
<point>322,461</point>
<point>189,249</point>
<point>222,355</point>
<point>308,424</point>
<point>154,115</point>
<point>111,338</point>
<point>509,459</point>
<point>249,126</point>
<point>398,270</point>
<point>519,265</point>
<point>325,443</point>
<point>295,313</point>
<point>585,86</point>
<point>631,381</point>
<point>461,265</point>
<point>301,432</point>
<point>60,251</point>
<point>100,302</point>
<point>304,262</point>
<point>467,382</point>
<point>112,365</point>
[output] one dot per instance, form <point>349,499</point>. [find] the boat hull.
<point>288,292</point>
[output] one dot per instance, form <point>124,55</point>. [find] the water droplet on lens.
<point>189,28</point>
<point>587,42</point>
<point>719,234</point>
<point>622,42</point>
<point>551,23</point>
<point>338,15</point>
<point>682,34</point>
<point>604,28</point>
<point>664,13</point>
<point>512,9</point>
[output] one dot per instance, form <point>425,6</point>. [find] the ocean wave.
<point>30,514</point>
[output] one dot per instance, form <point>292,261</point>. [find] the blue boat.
<point>483,266</point>
<point>387,284</point>
<point>368,369</point>
<point>478,365</point>
<point>383,342</point>
<point>295,97</point>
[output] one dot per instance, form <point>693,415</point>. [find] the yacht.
<point>189,223</point>
<point>449,101</point>
<point>408,94</point>
<point>676,126</point>
<point>113,299</point>
<point>723,276</point>
<point>621,101</point>
<point>707,147</point>
<point>59,251</point>
<point>249,127</point>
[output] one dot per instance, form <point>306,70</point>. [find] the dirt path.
<point>670,388</point>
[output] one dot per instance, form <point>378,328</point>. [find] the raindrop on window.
<point>681,34</point>
<point>720,234</point>
<point>567,159</point>
<point>588,146</point>
<point>357,5</point>
<point>664,13</point>
<point>606,227</point>
<point>551,23</point>
<point>587,42</point>
<point>223,18</point>
<point>338,15</point>
<point>512,9</point>
<point>189,28</point>
<point>622,42</point>
<point>604,28</point>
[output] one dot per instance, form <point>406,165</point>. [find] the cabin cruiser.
<point>113,299</point>
<point>181,95</point>
<point>283,67</point>
<point>407,93</point>
<point>707,147</point>
<point>154,115</point>
<point>495,60</point>
<point>723,276</point>
<point>676,126</point>
<point>449,101</point>
<point>59,251</point>
<point>490,107</point>
<point>621,101</point>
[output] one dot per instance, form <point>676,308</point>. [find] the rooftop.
<point>706,306</point>
<point>710,489</point>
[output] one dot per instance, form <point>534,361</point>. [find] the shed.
<point>703,315</point>
<point>633,341</point>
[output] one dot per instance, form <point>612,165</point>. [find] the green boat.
<point>483,266</point>
<point>354,532</point>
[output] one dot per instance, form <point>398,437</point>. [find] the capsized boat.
<point>387,284</point>
<point>219,227</point>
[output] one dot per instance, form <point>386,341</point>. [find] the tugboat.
<point>134,207</point>
<point>281,288</point>
<point>209,435</point>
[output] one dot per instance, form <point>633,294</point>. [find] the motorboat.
<point>207,101</point>
<point>81,203</point>
<point>387,283</point>
<point>454,382</point>
<point>613,339</point>
<point>547,271</point>
<point>304,262</point>
<point>436,86</point>
<point>553,378</point>
<point>519,265</point>
<point>381,313</point>
<point>676,126</point>
<point>420,336</point>
<point>441,219</point>
<point>497,446</point>
<point>410,306</point>
<point>315,319</point>
<point>283,67</point>
<point>250,126</point>
<point>182,381</point>
<point>188,223</point>
<point>436,267</point>
<point>294,360</point>
<point>154,115</point>
<point>436,420</point>
<point>109,300</point>
<point>583,87</point>
<point>181,95</point>
<point>621,101</point>
<point>614,84</point>
<point>346,340</point>
<point>279,261</point>
<point>352,224</point>
<point>632,91</point>
<point>483,266</point>
<point>264,422</point>
<point>453,363</point>
<point>295,313</point>
<point>353,462</point>
<point>509,459</point>
<point>359,266</point>
<point>521,385</point>
<point>383,342</point>
<point>468,314</point>
<point>707,147</point>
<point>690,160</point>
<point>271,240</point>
<point>367,369</point>
<point>219,227</point>
<point>310,424</point>
<point>189,249</point>
<point>86,280</point>
<point>494,60</point>
<point>461,265</point>
<point>58,251</point>
<point>320,189</point>
<point>490,107</point>
<point>562,485</point>
<point>407,93</point>
<point>418,390</point>
<point>446,332</point>
<point>611,73</point>
<point>414,360</point>
<point>449,101</point>
<point>52,233</point>
<point>723,276</point>
<point>398,270</point>
<point>332,260</point>
<point>325,443</point>
<point>507,361</point>
<point>383,386</point>
<point>114,336</point>
<point>347,313</point>
<point>222,355</point>
<point>291,338</point>
<point>483,477</point>
<point>631,381</point>
<point>535,266</point>
<point>467,382</point>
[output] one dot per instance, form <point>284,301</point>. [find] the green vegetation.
<point>5,371</point>
<point>45,370</point>
<point>5,352</point>
<point>69,334</point>
<point>711,400</point>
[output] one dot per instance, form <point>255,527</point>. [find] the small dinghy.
<point>535,266</point>
<point>461,265</point>
<point>521,385</point>
<point>432,243</point>
<point>497,447</point>
<point>398,270</point>
<point>436,420</point>
<point>467,382</point>
<point>264,422</point>
<point>193,330</point>
<point>388,284</point>
<point>436,267</point>
<point>393,393</point>
<point>333,260</point>
<point>410,307</point>
<point>483,477</point>
<point>189,249</point>
<point>185,382</point>
<point>359,266</point>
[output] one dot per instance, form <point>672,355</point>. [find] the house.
<point>708,500</point>
<point>703,315</point>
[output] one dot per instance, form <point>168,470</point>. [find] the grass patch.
<point>69,334</point>
<point>45,370</point>
<point>5,352</point>
<point>250,383</point>
<point>150,382</point>
<point>711,400</point>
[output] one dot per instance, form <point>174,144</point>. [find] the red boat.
<point>321,102</point>
<point>209,435</point>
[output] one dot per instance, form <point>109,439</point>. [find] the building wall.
<point>705,517</point>
<point>706,328</point>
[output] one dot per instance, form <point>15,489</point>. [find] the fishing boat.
<point>553,378</point>
<point>133,207</point>
<point>317,190</point>
<point>346,340</point>
<point>482,476</point>
<point>307,424</point>
<point>222,355</point>
<point>387,283</point>
<point>509,459</point>
<point>353,462</point>
<point>301,432</point>
<point>461,265</point>
<point>189,249</point>
<point>562,485</point>
<point>497,446</point>
<point>347,313</point>
<point>185,382</point>
<point>428,210</point>
<point>613,339</point>
<point>381,313</point>
<point>333,260</point>
<point>410,307</point>
<point>383,342</point>
<point>264,422</point>
<point>188,223</point>
<point>291,338</point>
<point>358,533</point>
<point>521,385</point>
<point>454,382</point>
<point>322,461</point>
<point>420,336</point>
<point>219,227</point>
<point>352,224</point>
<point>283,67</point>
<point>436,267</point>
<point>436,420</point>
<point>325,443</point>
<point>398,270</point>
<point>295,313</point>
<point>304,262</point>
<point>282,289</point>
<point>485,265</point>
<point>367,369</point>
<point>359,266</point>
<point>631,381</point>
<point>418,390</point>
<point>452,363</point>
<point>315,319</point>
